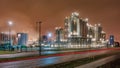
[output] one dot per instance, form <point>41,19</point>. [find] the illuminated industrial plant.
<point>77,32</point>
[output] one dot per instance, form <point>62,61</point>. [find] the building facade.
<point>78,32</point>
<point>59,34</point>
<point>22,38</point>
<point>111,40</point>
<point>76,29</point>
<point>5,38</point>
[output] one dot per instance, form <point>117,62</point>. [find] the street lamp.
<point>39,31</point>
<point>10,23</point>
<point>49,35</point>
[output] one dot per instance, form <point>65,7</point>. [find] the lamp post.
<point>49,36</point>
<point>10,23</point>
<point>39,40</point>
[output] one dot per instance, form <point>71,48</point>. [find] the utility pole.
<point>10,23</point>
<point>39,32</point>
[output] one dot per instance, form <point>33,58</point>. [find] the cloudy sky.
<point>25,14</point>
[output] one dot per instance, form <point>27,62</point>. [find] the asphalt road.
<point>34,51</point>
<point>52,60</point>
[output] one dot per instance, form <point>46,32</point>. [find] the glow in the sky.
<point>49,35</point>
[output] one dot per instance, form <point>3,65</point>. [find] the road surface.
<point>41,62</point>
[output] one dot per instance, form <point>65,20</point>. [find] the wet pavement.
<point>41,62</point>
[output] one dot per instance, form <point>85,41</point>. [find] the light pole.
<point>10,23</point>
<point>49,35</point>
<point>39,40</point>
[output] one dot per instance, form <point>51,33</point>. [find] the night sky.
<point>25,14</point>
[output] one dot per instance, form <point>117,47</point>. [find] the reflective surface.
<point>50,60</point>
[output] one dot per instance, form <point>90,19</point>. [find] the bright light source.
<point>99,24</point>
<point>49,35</point>
<point>19,35</point>
<point>86,19</point>
<point>10,23</point>
<point>88,35</point>
<point>56,28</point>
<point>75,14</point>
<point>93,39</point>
<point>66,17</point>
<point>88,24</point>
<point>102,32</point>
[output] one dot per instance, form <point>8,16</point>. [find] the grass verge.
<point>7,52</point>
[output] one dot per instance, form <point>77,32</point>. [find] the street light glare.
<point>10,23</point>
<point>49,35</point>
